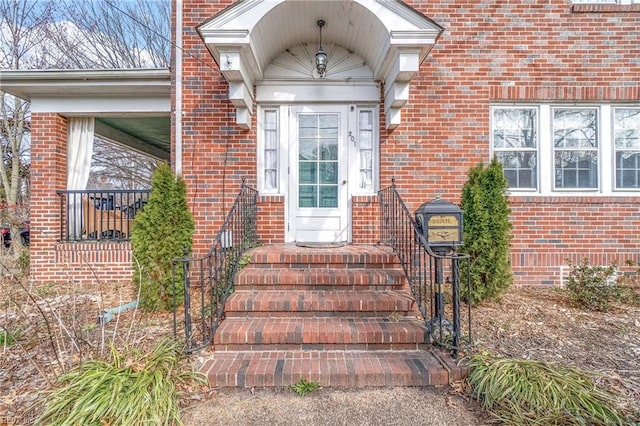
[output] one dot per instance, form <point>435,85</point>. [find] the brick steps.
<point>319,303</point>
<point>341,317</point>
<point>351,369</point>
<point>311,332</point>
<point>286,278</point>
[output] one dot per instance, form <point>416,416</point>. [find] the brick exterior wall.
<point>490,51</point>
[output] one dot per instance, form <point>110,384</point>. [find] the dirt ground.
<point>529,322</point>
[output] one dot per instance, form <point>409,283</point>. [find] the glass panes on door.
<point>318,160</point>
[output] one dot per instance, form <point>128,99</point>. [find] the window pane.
<point>307,196</point>
<point>270,160</point>
<point>366,140</point>
<point>520,168</point>
<point>365,121</point>
<point>308,172</point>
<point>366,179</point>
<point>270,139</point>
<point>576,169</point>
<point>329,173</point>
<point>366,162</point>
<point>329,196</point>
<point>574,128</point>
<point>627,170</point>
<point>308,149</point>
<point>271,179</point>
<point>515,127</point>
<point>329,149</point>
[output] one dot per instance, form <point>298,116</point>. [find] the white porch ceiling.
<point>392,39</point>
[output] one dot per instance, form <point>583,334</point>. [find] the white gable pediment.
<point>259,40</point>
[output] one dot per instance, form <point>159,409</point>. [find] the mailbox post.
<point>441,224</point>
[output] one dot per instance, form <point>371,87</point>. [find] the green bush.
<point>528,392</point>
<point>592,287</point>
<point>160,234</point>
<point>129,389</point>
<point>486,232</point>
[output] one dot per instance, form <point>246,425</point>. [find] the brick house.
<point>416,91</point>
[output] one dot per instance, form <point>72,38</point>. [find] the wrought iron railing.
<point>99,215</point>
<point>437,294</point>
<point>208,280</point>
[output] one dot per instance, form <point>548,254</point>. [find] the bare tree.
<point>115,168</point>
<point>49,34</point>
<point>23,24</point>
<point>114,33</point>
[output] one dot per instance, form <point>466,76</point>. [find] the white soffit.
<point>249,38</point>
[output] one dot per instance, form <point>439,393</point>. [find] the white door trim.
<point>318,224</point>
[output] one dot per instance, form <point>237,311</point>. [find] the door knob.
<point>344,182</point>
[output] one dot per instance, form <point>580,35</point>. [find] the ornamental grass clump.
<point>529,392</point>
<point>129,389</point>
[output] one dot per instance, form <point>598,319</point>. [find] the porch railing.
<point>446,316</point>
<point>208,280</point>
<point>99,215</point>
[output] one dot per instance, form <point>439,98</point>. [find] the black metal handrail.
<point>438,298</point>
<point>208,280</point>
<point>99,214</point>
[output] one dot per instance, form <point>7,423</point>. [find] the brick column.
<point>271,219</point>
<point>365,219</point>
<point>48,174</point>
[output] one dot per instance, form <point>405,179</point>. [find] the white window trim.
<point>354,160</point>
<point>606,151</point>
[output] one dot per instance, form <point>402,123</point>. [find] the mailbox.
<point>441,223</point>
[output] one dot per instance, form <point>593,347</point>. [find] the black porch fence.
<point>99,215</point>
<point>434,278</point>
<point>208,280</point>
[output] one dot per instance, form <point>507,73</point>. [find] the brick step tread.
<point>323,301</point>
<point>353,369</point>
<point>287,278</point>
<point>325,330</point>
<point>391,346</point>
<point>353,255</point>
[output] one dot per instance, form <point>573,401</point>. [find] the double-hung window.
<point>575,148</point>
<point>582,149</point>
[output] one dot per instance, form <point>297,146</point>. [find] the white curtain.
<point>79,152</point>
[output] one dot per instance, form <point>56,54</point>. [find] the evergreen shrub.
<point>486,232</point>
<point>160,234</point>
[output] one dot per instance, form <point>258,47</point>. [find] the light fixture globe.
<point>321,55</point>
<point>321,62</point>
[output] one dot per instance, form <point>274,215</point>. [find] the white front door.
<point>318,187</point>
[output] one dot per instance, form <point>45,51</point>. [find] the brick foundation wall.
<point>550,232</point>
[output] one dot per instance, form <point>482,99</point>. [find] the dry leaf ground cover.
<point>56,326</point>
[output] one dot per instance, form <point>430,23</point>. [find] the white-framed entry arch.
<point>318,141</point>
<point>392,39</point>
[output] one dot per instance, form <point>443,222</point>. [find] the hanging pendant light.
<point>321,55</point>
